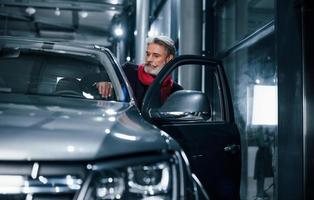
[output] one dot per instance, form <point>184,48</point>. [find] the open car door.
<point>203,123</point>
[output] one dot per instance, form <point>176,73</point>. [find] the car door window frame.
<point>149,103</point>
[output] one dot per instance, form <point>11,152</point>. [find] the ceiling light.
<point>57,12</point>
<point>83,14</point>
<point>118,31</point>
<point>30,10</point>
<point>114,2</point>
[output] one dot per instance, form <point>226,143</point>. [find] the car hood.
<point>58,128</point>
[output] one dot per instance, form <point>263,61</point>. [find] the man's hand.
<point>104,89</point>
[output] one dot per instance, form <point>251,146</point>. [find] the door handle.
<point>234,148</point>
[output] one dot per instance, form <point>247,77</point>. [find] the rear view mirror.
<point>184,105</point>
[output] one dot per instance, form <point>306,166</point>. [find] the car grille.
<point>41,180</point>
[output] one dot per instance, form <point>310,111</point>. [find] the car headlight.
<point>149,180</point>
<point>154,181</point>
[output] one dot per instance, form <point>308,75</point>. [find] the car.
<point>61,140</point>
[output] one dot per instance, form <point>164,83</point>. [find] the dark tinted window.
<point>51,73</point>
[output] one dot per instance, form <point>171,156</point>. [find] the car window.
<point>54,73</point>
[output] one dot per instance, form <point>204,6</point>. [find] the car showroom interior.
<point>156,100</point>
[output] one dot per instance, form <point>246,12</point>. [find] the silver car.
<point>60,140</point>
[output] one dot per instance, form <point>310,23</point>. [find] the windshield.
<point>57,73</point>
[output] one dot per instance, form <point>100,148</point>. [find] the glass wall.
<point>248,54</point>
<point>237,19</point>
<point>253,79</point>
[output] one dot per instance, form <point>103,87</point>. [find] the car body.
<point>61,140</point>
<point>58,143</point>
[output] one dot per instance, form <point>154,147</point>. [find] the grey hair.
<point>165,41</point>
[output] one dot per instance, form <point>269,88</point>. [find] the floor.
<point>268,189</point>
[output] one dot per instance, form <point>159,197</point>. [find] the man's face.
<point>156,58</point>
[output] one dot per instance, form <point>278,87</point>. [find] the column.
<point>142,11</point>
<point>190,41</point>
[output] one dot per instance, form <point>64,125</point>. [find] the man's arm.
<point>99,83</point>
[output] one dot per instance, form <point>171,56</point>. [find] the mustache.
<point>150,65</point>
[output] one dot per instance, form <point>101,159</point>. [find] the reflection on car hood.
<point>52,128</point>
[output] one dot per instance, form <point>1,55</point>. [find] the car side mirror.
<point>184,105</point>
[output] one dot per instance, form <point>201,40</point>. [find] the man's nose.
<point>149,58</point>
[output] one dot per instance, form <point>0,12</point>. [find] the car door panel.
<point>212,147</point>
<point>205,144</point>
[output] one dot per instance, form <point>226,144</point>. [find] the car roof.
<point>50,44</point>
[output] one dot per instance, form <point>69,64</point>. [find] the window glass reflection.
<point>252,75</point>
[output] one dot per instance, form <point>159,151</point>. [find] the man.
<point>160,50</point>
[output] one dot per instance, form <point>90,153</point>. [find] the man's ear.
<point>169,57</point>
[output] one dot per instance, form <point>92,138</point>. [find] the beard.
<point>152,70</point>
